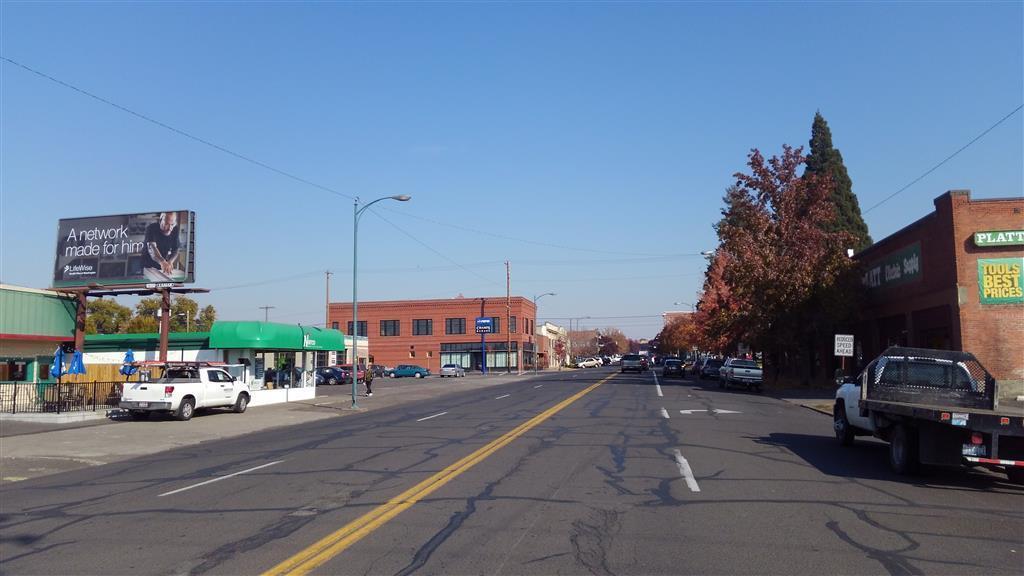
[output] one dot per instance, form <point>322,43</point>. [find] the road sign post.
<point>844,348</point>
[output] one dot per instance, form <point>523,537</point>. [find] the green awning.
<point>274,336</point>
<point>146,341</point>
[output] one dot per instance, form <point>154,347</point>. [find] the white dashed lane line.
<point>219,478</point>
<point>686,472</point>
<point>538,385</point>
<point>664,413</point>
<point>656,385</point>
<point>434,416</point>
<point>502,396</point>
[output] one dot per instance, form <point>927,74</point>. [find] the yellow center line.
<point>336,542</point>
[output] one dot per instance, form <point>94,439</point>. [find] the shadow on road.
<point>868,459</point>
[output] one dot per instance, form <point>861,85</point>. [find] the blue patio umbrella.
<point>128,368</point>
<point>76,367</point>
<point>57,368</point>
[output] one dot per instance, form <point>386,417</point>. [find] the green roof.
<point>274,336</point>
<point>30,312</point>
<point>146,341</point>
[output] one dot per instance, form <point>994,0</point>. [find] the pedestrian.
<point>368,380</point>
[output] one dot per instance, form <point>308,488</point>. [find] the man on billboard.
<point>162,244</point>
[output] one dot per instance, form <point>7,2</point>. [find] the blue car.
<point>408,370</point>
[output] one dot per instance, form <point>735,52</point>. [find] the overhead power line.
<point>947,159</point>
<point>177,131</point>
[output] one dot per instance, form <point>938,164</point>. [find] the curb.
<point>50,418</point>
<point>824,408</point>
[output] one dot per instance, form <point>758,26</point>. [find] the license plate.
<point>143,404</point>
<point>960,419</point>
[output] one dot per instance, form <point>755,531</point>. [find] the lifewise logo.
<point>78,270</point>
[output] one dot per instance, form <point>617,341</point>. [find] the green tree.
<point>183,314</point>
<point>826,161</point>
<point>106,317</point>
<point>143,324</point>
<point>206,319</point>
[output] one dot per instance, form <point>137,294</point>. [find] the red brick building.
<point>431,333</point>
<point>952,280</point>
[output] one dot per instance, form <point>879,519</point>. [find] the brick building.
<point>951,280</point>
<point>431,333</point>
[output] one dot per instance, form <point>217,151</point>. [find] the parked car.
<point>330,375</point>
<point>672,367</point>
<point>740,371</point>
<point>183,389</point>
<point>710,367</point>
<point>378,370</point>
<point>363,376</point>
<point>453,370</point>
<point>405,370</point>
<point>634,363</point>
<point>589,363</point>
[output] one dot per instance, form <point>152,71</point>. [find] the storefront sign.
<point>999,238</point>
<point>1000,280</point>
<point>484,326</point>
<point>154,247</point>
<point>308,342</point>
<point>900,267</point>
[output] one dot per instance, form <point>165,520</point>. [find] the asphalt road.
<point>632,477</point>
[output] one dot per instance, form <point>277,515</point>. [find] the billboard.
<point>126,249</point>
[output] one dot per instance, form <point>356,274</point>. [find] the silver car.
<point>453,370</point>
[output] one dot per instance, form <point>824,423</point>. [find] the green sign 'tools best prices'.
<point>1001,280</point>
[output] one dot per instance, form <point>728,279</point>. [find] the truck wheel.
<point>139,414</point>
<point>1015,475</point>
<point>844,432</point>
<point>903,450</point>
<point>241,404</point>
<point>186,409</point>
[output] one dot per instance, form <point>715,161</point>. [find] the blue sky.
<point>587,143</point>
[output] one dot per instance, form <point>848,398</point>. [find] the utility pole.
<point>327,301</point>
<point>266,312</point>
<point>508,318</point>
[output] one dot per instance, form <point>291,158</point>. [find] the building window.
<point>362,328</point>
<point>495,324</point>
<point>334,325</point>
<point>390,328</point>
<point>454,325</point>
<point>512,325</point>
<point>422,327</point>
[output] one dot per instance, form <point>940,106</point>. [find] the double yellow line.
<point>336,542</point>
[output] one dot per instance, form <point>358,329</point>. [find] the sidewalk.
<point>33,449</point>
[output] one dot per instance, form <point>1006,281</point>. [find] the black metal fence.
<point>19,397</point>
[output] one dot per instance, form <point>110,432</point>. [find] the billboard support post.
<point>80,311</point>
<point>165,321</point>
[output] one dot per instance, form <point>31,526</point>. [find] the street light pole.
<point>535,298</point>
<point>357,213</point>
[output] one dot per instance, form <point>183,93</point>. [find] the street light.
<point>357,213</point>
<point>535,298</point>
<point>188,320</point>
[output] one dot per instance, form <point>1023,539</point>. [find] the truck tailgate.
<point>143,392</point>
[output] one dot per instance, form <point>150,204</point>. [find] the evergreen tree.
<point>824,160</point>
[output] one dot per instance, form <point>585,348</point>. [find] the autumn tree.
<point>777,253</point>
<point>106,317</point>
<point>613,341</point>
<point>825,161</point>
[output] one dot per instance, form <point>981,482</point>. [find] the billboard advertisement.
<point>126,249</point>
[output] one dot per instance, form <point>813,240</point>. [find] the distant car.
<point>589,363</point>
<point>329,375</point>
<point>709,369</point>
<point>378,370</point>
<point>405,370</point>
<point>363,375</point>
<point>453,370</point>
<point>672,367</point>
<point>634,363</point>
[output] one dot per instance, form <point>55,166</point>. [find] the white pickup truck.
<point>742,372</point>
<point>183,389</point>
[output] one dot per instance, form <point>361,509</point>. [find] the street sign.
<point>844,345</point>
<point>484,326</point>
